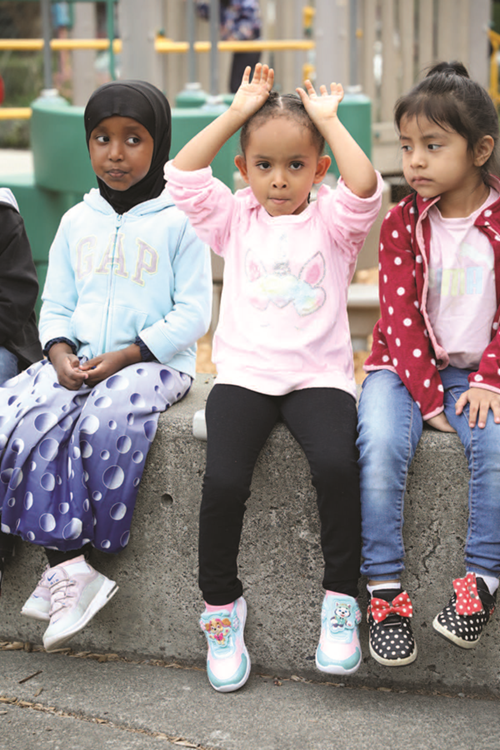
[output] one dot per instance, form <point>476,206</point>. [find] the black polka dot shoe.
<point>467,613</point>
<point>391,637</point>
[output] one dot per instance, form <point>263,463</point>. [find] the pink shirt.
<point>283,321</point>
<point>461,300</point>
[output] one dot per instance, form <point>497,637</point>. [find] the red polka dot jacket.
<point>403,339</point>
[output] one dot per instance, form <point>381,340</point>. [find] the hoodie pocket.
<point>101,333</point>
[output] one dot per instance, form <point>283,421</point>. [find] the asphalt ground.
<point>86,702</point>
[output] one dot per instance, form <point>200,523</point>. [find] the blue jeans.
<point>9,366</point>
<point>390,425</point>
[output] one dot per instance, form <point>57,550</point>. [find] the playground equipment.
<point>61,166</point>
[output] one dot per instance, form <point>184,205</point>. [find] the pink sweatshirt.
<point>283,321</point>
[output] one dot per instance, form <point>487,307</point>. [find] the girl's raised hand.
<point>323,106</point>
<point>252,94</point>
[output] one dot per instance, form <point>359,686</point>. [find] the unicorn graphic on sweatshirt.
<point>281,287</point>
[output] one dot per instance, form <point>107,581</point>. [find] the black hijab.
<point>145,103</point>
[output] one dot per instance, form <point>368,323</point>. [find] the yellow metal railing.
<point>162,45</point>
<point>15,113</point>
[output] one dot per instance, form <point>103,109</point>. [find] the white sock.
<point>75,566</point>
<point>383,585</point>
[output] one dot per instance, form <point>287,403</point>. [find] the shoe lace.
<point>60,593</point>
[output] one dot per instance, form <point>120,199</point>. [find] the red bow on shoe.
<point>401,605</point>
<point>468,600</point>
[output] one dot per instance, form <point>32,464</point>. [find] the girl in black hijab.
<point>127,295</point>
<point>143,102</point>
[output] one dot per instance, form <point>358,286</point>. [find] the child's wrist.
<point>132,354</point>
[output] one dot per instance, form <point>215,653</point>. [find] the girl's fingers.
<point>262,74</point>
<point>336,89</point>
<point>246,74</point>
<point>483,414</point>
<point>496,411</point>
<point>257,73</point>
<point>309,87</point>
<point>459,406</point>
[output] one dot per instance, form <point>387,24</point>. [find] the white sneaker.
<point>38,604</point>
<point>77,593</point>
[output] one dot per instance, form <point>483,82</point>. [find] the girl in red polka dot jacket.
<point>436,353</point>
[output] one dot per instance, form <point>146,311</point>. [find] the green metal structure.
<point>62,172</point>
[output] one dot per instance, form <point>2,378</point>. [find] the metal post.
<point>110,27</point>
<point>139,25</point>
<point>214,40</point>
<point>191,39</point>
<point>83,60</point>
<point>330,31</point>
<point>47,35</point>
<point>353,47</point>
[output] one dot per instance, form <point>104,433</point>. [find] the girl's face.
<point>121,150</point>
<point>437,161</point>
<point>281,164</point>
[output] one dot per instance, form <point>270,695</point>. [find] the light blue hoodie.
<point>113,277</point>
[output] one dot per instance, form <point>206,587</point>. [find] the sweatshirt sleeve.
<point>18,279</point>
<point>190,315</point>
<point>59,294</point>
<point>206,201</point>
<point>400,340</point>
<point>348,216</point>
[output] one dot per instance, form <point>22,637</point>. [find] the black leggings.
<point>54,556</point>
<point>239,421</point>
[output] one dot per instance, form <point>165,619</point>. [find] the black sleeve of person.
<point>18,278</point>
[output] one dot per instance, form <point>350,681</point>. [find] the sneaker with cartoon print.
<point>228,662</point>
<point>339,650</point>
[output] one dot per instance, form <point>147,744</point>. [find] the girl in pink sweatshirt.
<point>282,347</point>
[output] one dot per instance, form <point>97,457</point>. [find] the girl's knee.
<point>222,487</point>
<point>335,471</point>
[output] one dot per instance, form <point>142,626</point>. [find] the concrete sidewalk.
<point>52,701</point>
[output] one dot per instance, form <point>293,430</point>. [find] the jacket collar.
<point>424,204</point>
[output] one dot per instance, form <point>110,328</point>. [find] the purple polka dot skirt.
<point>72,461</point>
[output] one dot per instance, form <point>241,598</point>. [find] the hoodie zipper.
<point>119,221</point>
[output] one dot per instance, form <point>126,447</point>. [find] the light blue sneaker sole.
<point>348,666</point>
<point>236,682</point>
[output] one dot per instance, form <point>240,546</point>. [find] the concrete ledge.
<point>155,613</point>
